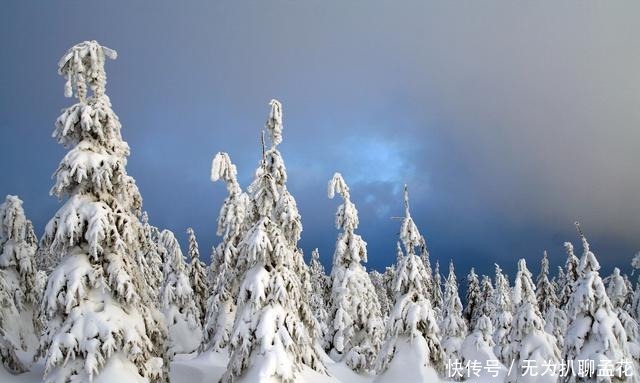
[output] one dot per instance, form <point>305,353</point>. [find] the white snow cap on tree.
<point>96,304</point>
<point>594,331</point>
<point>412,318</point>
<point>473,306</point>
<point>502,320</point>
<point>356,322</point>
<point>197,275</point>
<point>453,325</point>
<point>274,329</point>
<point>617,292</point>
<point>274,123</point>
<point>178,300</point>
<point>19,288</point>
<point>527,339</point>
<point>320,296</point>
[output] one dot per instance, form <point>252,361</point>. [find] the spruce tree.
<point>545,292</point>
<point>274,330</point>
<point>486,295</point>
<point>528,340</point>
<point>503,318</point>
<point>96,304</point>
<point>571,275</point>
<point>617,291</point>
<point>179,303</point>
<point>473,302</point>
<point>197,276</point>
<point>356,323</point>
<point>233,220</point>
<point>453,325</point>
<point>436,293</point>
<point>411,327</point>
<point>320,297</point>
<point>594,331</point>
<point>18,266</point>
<point>378,281</point>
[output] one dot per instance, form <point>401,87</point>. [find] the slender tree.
<point>411,327</point>
<point>473,299</point>
<point>197,276</point>
<point>96,303</point>
<point>320,297</point>
<point>274,329</point>
<point>504,316</point>
<point>453,325</point>
<point>571,275</point>
<point>356,328</point>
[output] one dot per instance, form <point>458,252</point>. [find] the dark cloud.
<point>508,119</point>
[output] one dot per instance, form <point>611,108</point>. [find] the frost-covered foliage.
<point>425,258</point>
<point>436,292</point>
<point>356,326</point>
<point>233,222</point>
<point>453,325</point>
<point>20,290</point>
<point>545,291</point>
<point>412,318</point>
<point>473,301</point>
<point>320,296</point>
<point>486,293</point>
<point>153,262</point>
<point>594,331</point>
<point>96,303</point>
<point>274,329</point>
<point>478,348</point>
<point>617,291</point>
<point>178,299</point>
<point>503,317</point>
<point>566,284</point>
<point>197,276</point>
<point>528,341</point>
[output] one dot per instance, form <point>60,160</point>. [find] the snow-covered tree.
<point>477,349</point>
<point>18,245</point>
<point>486,295</point>
<point>571,275</point>
<point>233,222</point>
<point>503,315</point>
<point>97,307</point>
<point>545,291</point>
<point>153,259</point>
<point>528,341</point>
<point>453,325</point>
<point>320,296</point>
<point>178,299</point>
<point>274,329</point>
<point>411,328</point>
<point>356,323</point>
<point>473,307</point>
<point>617,291</point>
<point>425,258</point>
<point>197,276</point>
<point>594,331</point>
<point>436,292</point>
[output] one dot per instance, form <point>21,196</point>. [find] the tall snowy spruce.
<point>555,318</point>
<point>594,331</point>
<point>274,330</point>
<point>197,276</point>
<point>436,293</point>
<point>233,222</point>
<point>412,331</point>
<point>356,324</point>
<point>153,259</point>
<point>453,325</point>
<point>320,296</point>
<point>179,303</point>
<point>473,301</point>
<point>486,293</point>
<point>502,304</point>
<point>99,315</point>
<point>617,291</point>
<point>529,343</point>
<point>18,284</point>
<point>571,274</point>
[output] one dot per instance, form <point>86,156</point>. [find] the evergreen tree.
<point>502,320</point>
<point>617,292</point>
<point>96,303</point>
<point>274,329</point>
<point>197,276</point>
<point>437,292</point>
<point>424,257</point>
<point>528,340</point>
<point>594,331</point>
<point>486,295</point>
<point>453,325</point>
<point>545,293</point>
<point>473,306</point>
<point>320,297</point>
<point>233,221</point>
<point>356,328</point>
<point>153,259</point>
<point>477,348</point>
<point>179,303</point>
<point>378,281</point>
<point>18,245</point>
<point>411,327</point>
<point>570,276</point>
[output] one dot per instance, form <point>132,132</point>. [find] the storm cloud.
<point>508,120</point>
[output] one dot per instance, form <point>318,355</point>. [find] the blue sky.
<point>508,120</point>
